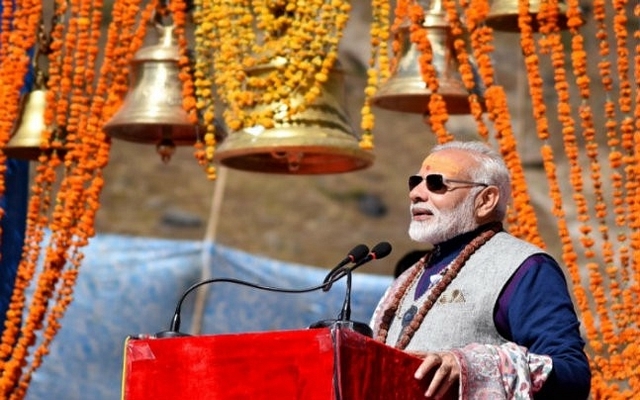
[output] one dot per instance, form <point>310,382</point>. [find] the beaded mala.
<point>435,292</point>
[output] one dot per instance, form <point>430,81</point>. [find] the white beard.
<point>445,225</point>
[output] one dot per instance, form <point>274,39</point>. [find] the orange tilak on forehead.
<point>438,163</point>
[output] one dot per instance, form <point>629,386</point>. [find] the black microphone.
<point>355,255</point>
<point>379,251</point>
<point>174,328</point>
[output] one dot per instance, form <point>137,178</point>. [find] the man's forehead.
<point>441,164</point>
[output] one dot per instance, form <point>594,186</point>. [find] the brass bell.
<point>27,134</point>
<point>406,90</point>
<point>317,140</point>
<point>503,15</point>
<point>152,110</point>
<point>26,139</point>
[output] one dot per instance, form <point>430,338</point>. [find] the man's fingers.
<point>440,384</point>
<point>441,371</point>
<point>431,361</point>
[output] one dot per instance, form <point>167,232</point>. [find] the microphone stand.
<point>345,314</point>
<point>344,318</point>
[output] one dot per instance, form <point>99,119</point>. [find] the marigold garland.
<point>203,92</point>
<point>605,310</point>
<point>16,39</point>
<point>460,37</point>
<point>380,66</point>
<point>76,111</point>
<point>521,217</point>
<point>551,44</point>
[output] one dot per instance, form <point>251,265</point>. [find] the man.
<point>490,314</point>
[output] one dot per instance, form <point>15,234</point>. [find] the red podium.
<point>326,363</point>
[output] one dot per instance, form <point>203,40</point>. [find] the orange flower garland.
<point>619,301</point>
<point>86,51</point>
<point>569,255</point>
<point>550,43</point>
<point>76,116</point>
<point>203,150</point>
<point>18,36</point>
<point>521,218</point>
<point>608,310</point>
<point>616,275</point>
<point>459,33</point>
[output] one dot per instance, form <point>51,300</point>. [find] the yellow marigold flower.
<point>268,123</point>
<point>366,142</point>
<point>209,150</point>
<point>234,125</point>
<point>208,117</point>
<point>211,172</point>
<point>321,77</point>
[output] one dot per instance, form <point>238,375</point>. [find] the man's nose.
<point>418,194</point>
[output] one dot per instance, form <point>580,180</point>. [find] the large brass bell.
<point>152,110</point>
<point>406,90</point>
<point>503,15</point>
<point>317,140</point>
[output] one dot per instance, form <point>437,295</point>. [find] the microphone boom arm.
<point>175,322</point>
<point>381,250</point>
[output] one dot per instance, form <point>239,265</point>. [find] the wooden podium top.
<point>322,364</point>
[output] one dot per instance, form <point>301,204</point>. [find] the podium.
<point>311,364</point>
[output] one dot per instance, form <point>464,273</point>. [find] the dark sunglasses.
<point>437,183</point>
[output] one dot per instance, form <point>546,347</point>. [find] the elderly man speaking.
<point>490,314</point>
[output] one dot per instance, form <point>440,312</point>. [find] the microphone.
<point>355,255</point>
<point>174,329</point>
<point>379,251</point>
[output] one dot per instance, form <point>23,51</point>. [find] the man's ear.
<point>487,201</point>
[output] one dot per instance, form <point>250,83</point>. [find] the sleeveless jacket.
<point>463,313</point>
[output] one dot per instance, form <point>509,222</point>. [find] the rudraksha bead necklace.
<point>451,272</point>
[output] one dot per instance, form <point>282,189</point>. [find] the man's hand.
<point>443,371</point>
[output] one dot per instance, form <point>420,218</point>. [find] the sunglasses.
<point>437,183</point>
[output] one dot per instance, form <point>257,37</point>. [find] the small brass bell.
<point>26,139</point>
<point>317,140</point>
<point>152,110</point>
<point>503,15</point>
<point>406,90</point>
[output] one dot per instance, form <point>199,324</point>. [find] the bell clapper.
<point>166,148</point>
<point>294,159</point>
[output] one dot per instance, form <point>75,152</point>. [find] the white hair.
<point>491,169</point>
